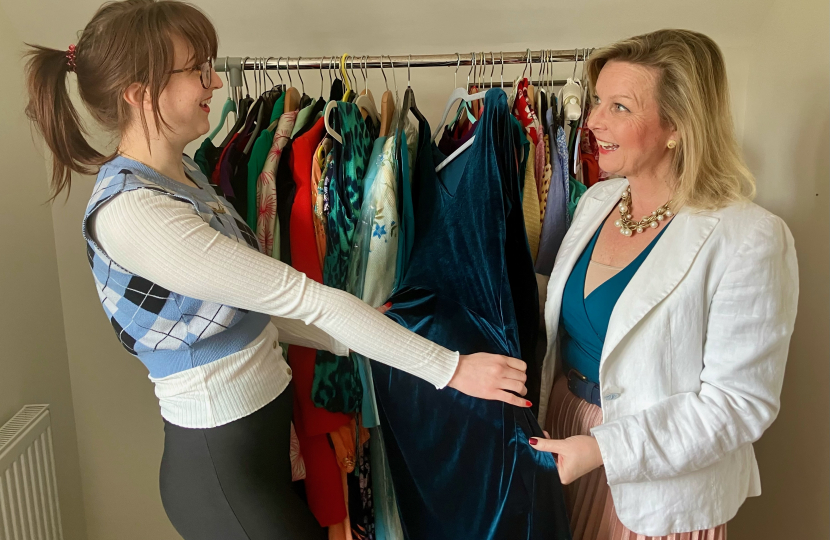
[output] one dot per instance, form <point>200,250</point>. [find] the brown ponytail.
<point>52,111</point>
<point>125,42</point>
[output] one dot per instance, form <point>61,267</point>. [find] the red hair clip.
<point>70,58</point>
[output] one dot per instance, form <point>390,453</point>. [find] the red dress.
<point>324,487</point>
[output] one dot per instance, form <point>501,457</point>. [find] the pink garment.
<point>590,505</point>
<point>266,186</point>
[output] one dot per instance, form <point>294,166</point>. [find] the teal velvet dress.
<point>462,467</point>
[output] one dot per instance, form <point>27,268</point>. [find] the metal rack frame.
<point>234,65</point>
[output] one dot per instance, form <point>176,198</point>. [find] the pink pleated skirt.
<point>590,507</point>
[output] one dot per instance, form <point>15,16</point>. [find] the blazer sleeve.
<point>750,322</point>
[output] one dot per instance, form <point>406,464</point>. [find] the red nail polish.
<point>387,305</point>
<point>533,441</point>
<point>529,404</point>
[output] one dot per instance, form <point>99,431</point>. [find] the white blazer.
<point>693,361</point>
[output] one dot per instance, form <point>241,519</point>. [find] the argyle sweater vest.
<point>168,332</point>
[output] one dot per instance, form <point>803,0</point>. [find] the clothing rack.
<point>234,65</point>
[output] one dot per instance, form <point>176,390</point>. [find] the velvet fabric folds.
<point>462,467</point>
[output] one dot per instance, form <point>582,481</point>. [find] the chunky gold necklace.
<point>628,227</point>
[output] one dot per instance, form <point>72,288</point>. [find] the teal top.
<point>584,320</point>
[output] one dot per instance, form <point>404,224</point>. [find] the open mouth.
<point>607,147</point>
<point>205,105</point>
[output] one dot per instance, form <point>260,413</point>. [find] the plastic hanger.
<point>246,106</point>
<point>332,104</point>
<point>228,107</point>
<point>367,104</point>
<point>458,93</point>
<point>364,69</point>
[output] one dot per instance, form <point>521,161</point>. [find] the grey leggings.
<point>233,482</point>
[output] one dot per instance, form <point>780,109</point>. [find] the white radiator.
<point>29,507</point>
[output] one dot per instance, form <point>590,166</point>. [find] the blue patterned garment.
<point>168,332</point>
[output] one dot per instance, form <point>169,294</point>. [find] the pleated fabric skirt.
<point>589,504</point>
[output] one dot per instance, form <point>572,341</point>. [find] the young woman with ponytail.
<point>184,286</point>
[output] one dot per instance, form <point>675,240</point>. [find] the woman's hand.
<point>575,456</point>
<point>488,376</point>
<point>491,376</point>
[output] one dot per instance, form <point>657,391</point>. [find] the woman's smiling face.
<point>625,119</point>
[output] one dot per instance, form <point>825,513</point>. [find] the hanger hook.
<point>394,76</point>
<point>321,76</point>
<point>279,71</point>
<point>501,53</point>
<point>260,77</point>
<point>300,75</point>
<point>227,77</point>
<point>409,72</point>
<point>382,72</point>
<point>266,71</point>
<point>244,75</point>
<point>576,61</point>
<point>331,60</point>
<point>472,64</point>
<point>527,62</point>
<point>364,69</point>
<point>492,67</point>
<point>288,70</point>
<point>457,65</point>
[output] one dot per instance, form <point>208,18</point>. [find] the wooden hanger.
<point>387,106</point>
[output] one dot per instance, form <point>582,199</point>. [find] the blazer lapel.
<point>592,212</point>
<point>659,274</point>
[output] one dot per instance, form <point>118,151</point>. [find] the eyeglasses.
<point>206,70</point>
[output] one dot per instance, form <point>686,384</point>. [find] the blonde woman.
<point>670,308</point>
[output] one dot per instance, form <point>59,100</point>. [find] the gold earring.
<point>672,144</point>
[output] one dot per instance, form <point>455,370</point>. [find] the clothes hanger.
<point>228,107</point>
<point>458,93</point>
<point>365,71</point>
<point>531,91</point>
<point>502,69</point>
<point>366,104</point>
<point>344,72</point>
<point>260,118</point>
<point>475,105</point>
<point>409,97</point>
<point>387,105</point>
<point>332,104</point>
<point>246,106</point>
<point>292,95</point>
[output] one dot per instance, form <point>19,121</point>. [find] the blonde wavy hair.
<point>693,96</point>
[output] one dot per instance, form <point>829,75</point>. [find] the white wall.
<point>786,143</point>
<point>766,43</point>
<point>34,365</point>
